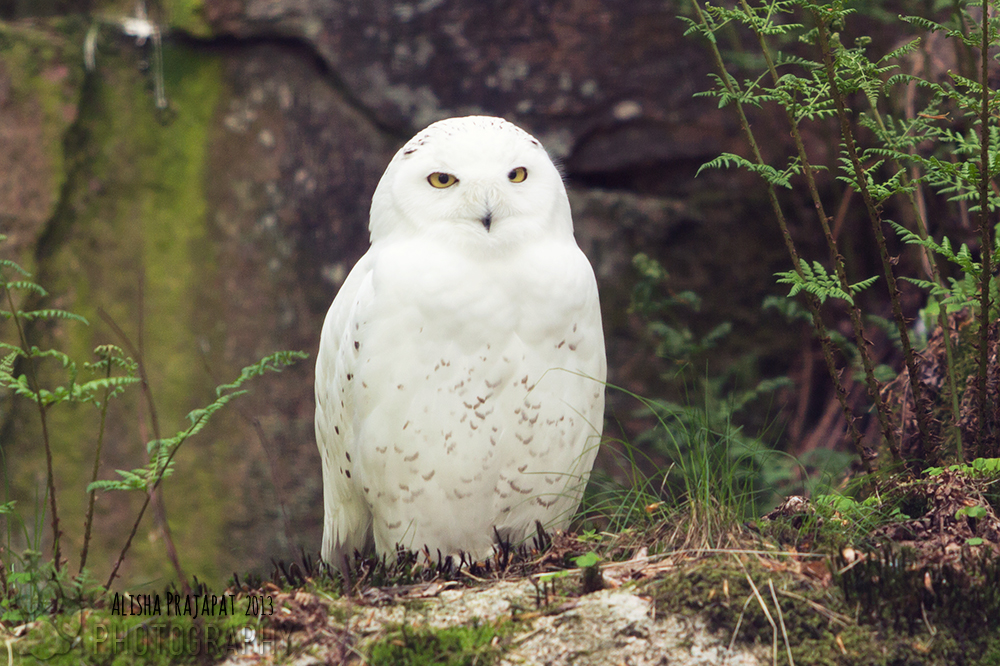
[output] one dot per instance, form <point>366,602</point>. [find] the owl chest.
<point>460,330</point>
<point>442,296</point>
<point>442,344</point>
<point>427,369</point>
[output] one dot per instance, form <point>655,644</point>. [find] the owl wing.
<point>347,515</point>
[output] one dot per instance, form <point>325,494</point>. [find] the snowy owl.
<point>460,374</point>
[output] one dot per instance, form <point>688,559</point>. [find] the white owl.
<point>460,375</point>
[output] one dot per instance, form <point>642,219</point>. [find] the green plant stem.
<point>50,476</point>
<point>945,323</point>
<point>88,523</point>
<point>861,184</point>
<point>986,240</point>
<point>811,301</point>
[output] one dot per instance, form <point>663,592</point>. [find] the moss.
<point>991,655</point>
<point>188,15</point>
<point>820,626</point>
<point>470,644</point>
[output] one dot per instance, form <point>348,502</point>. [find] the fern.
<point>50,313</point>
<point>815,280</point>
<point>162,451</point>
<point>94,382</point>
<point>941,155</point>
<point>768,173</point>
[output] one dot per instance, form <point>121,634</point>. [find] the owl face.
<point>474,180</point>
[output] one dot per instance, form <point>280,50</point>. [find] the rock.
<point>39,93</point>
<point>615,626</point>
<point>606,627</point>
<point>604,85</point>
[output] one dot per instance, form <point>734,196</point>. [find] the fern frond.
<point>817,281</point>
<point>161,451</point>
<point>51,313</point>
<point>14,266</point>
<point>27,285</point>
<point>765,171</point>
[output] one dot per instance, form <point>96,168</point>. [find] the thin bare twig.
<point>136,354</point>
<point>781,621</point>
<point>767,614</point>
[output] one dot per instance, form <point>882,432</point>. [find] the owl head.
<point>476,181</point>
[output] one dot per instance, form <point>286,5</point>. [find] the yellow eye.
<point>441,180</point>
<point>517,175</point>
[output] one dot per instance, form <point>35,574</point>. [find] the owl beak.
<point>487,220</point>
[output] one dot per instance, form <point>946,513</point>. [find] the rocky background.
<point>213,217</point>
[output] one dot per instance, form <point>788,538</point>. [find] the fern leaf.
<point>51,314</point>
<point>27,285</point>
<point>765,171</point>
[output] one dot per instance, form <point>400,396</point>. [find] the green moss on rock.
<point>131,233</point>
<point>465,645</point>
<point>189,16</point>
<point>819,627</point>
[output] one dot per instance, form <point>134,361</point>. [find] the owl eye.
<point>441,180</point>
<point>517,175</point>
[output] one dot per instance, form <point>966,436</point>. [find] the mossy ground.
<point>780,604</point>
<point>470,645</point>
<point>815,625</point>
<point>795,607</point>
